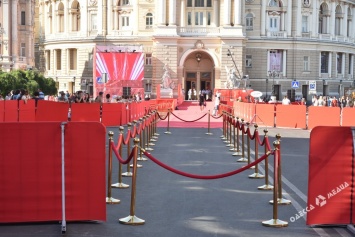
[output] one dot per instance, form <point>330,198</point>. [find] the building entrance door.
<point>190,92</point>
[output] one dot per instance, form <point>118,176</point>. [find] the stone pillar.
<point>284,63</point>
<point>237,12</point>
<point>162,12</point>
<point>216,9</point>
<point>289,18</point>
<point>345,21</point>
<point>172,12</point>
<point>263,18</point>
<point>182,17</point>
<point>227,13</point>
<point>332,19</point>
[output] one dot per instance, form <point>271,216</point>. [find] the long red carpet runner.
<point>190,111</point>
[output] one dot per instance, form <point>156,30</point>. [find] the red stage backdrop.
<point>330,176</point>
<point>124,69</point>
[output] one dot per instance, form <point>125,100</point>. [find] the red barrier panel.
<point>291,116</point>
<point>85,112</point>
<point>330,176</point>
<point>265,114</point>
<point>31,169</point>
<point>348,116</point>
<point>124,113</point>
<point>11,111</point>
<point>111,114</point>
<point>2,110</point>
<point>48,111</point>
<point>27,111</point>
<point>323,116</point>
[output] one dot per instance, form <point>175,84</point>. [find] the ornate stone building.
<point>274,42</point>
<point>17,34</point>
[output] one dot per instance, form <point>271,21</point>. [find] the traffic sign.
<point>312,85</point>
<point>295,84</point>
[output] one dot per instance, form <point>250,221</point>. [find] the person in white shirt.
<point>286,101</point>
<point>216,103</point>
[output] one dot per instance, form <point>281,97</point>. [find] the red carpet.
<point>190,111</point>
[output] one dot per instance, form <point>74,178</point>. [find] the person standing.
<point>189,93</point>
<point>201,101</point>
<point>216,103</point>
<point>286,101</point>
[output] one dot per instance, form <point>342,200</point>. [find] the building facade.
<point>272,43</point>
<point>17,34</point>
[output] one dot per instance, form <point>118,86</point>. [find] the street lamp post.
<point>273,74</point>
<point>267,83</point>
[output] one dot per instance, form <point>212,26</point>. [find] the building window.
<point>304,24</point>
<point>73,53</point>
<point>148,59</point>
<point>125,2</point>
<point>350,64</point>
<point>59,59</point>
<point>199,12</point>
<point>23,18</point>
<point>249,21</point>
<point>75,16</point>
<point>90,60</point>
<point>50,19</point>
<point>323,15</point>
<point>23,50</point>
<point>248,61</point>
<point>125,21</point>
<point>149,21</point>
<point>338,20</point>
<point>60,17</point>
<point>339,63</point>
<point>324,62</point>
<point>306,63</point>
<point>148,86</point>
<point>93,21</point>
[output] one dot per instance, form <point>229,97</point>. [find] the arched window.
<point>275,16</point>
<point>338,20</point>
<point>199,12</point>
<point>149,21</point>
<point>249,21</point>
<point>75,16</point>
<point>323,19</point>
<point>60,18</point>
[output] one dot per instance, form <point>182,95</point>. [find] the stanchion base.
<point>138,165</point>
<point>156,134</point>
<point>154,137</point>
<point>111,200</point>
<point>209,133</point>
<point>151,144</point>
<point>119,185</point>
<point>229,145</point>
<point>281,201</point>
<point>256,176</point>
<point>243,159</point>
<point>167,132</point>
<point>131,220</point>
<point>149,149</point>
<point>238,153</point>
<point>266,187</point>
<point>226,141</point>
<point>153,140</point>
<point>233,149</point>
<point>222,136</point>
<point>275,223</point>
<point>127,174</point>
<point>142,159</point>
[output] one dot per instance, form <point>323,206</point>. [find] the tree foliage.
<point>30,80</point>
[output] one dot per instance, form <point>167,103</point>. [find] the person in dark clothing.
<point>202,101</point>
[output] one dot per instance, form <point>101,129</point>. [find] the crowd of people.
<point>77,97</point>
<point>342,102</point>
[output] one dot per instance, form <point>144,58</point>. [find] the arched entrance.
<point>199,75</point>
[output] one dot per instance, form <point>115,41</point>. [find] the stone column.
<point>227,13</point>
<point>162,12</point>
<point>289,18</point>
<point>263,18</point>
<point>216,8</point>
<point>182,17</point>
<point>330,64</point>
<point>299,18</point>
<point>68,18</point>
<point>332,19</point>
<point>284,63</point>
<point>237,12</point>
<point>172,12</point>
<point>345,21</point>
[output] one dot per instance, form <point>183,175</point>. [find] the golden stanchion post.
<point>141,142</point>
<point>267,186</point>
<point>224,137</point>
<point>275,222</point>
<point>152,137</point>
<point>134,125</point>
<point>150,131</point>
<point>229,141</point>
<point>167,131</point>
<point>128,173</point>
<point>256,174</point>
<point>146,137</point>
<point>109,198</point>
<point>120,184</point>
<point>236,140</point>
<point>155,119</point>
<point>132,219</point>
<point>280,199</point>
<point>209,122</point>
<point>243,159</point>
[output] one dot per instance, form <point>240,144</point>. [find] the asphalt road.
<point>175,206</point>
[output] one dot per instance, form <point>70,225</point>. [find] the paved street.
<point>174,206</point>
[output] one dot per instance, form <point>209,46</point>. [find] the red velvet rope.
<point>119,142</point>
<point>120,159</point>
<point>216,117</point>
<point>189,121</point>
<point>133,134</point>
<point>139,129</point>
<point>161,117</point>
<point>194,176</point>
<point>261,143</point>
<point>125,141</point>
<point>267,144</point>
